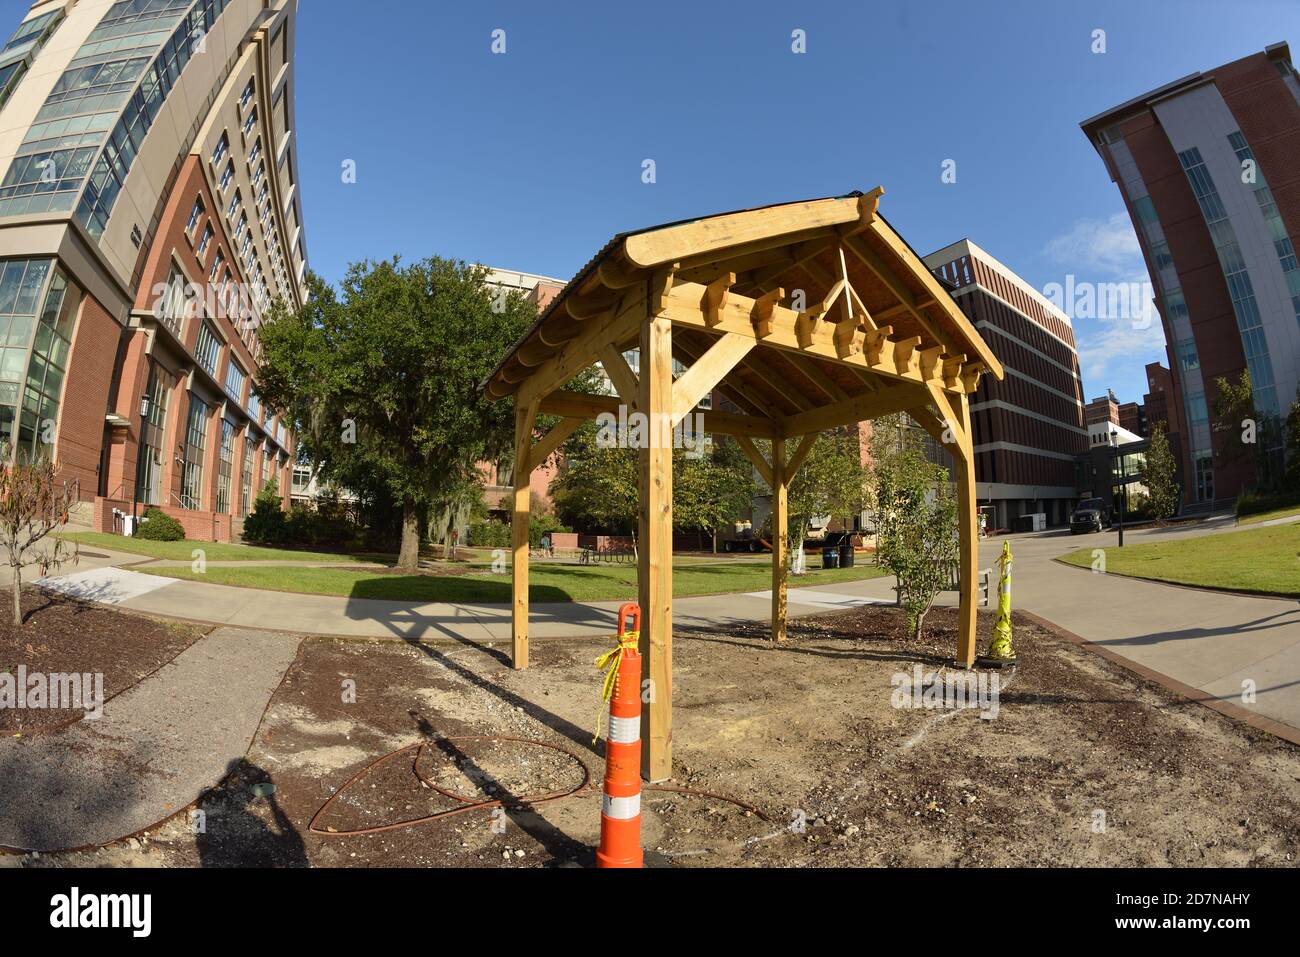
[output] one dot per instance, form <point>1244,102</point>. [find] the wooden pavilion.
<point>807,316</point>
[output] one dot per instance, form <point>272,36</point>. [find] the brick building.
<point>1029,428</point>
<point>1207,168</point>
<point>149,215</point>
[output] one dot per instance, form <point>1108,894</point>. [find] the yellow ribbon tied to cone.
<point>1000,653</point>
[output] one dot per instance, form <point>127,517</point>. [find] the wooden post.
<point>655,558</point>
<point>968,533</point>
<point>525,416</point>
<point>780,537</point>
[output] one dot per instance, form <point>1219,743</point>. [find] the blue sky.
<point>532,159</point>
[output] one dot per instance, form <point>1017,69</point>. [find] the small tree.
<point>1249,437</point>
<point>267,523</point>
<point>833,481</point>
<point>597,485</point>
<point>712,489</point>
<point>916,518</point>
<point>1161,476</point>
<point>1291,480</point>
<point>32,505</point>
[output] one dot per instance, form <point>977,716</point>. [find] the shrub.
<point>267,525</point>
<point>1252,503</point>
<point>319,526</point>
<point>158,526</point>
<point>539,525</point>
<point>490,534</point>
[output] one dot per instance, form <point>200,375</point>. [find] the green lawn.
<point>213,551</point>
<point>1257,560</point>
<point>1269,516</point>
<point>547,582</point>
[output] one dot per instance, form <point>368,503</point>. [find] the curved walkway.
<point>156,748</point>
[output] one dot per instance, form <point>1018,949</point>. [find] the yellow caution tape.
<point>609,662</point>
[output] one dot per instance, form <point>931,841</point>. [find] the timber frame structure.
<point>807,316</point>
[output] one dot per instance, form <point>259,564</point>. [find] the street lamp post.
<point>135,486</point>
<point>1123,486</point>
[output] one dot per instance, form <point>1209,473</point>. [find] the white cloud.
<point>1109,246</point>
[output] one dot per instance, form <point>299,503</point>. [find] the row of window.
<point>119,153</point>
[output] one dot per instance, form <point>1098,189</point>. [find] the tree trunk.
<point>18,596</point>
<point>408,557</point>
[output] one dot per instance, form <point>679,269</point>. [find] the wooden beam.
<point>708,370</point>
<point>583,307</point>
<point>763,306</point>
<point>756,457</point>
<point>751,403</point>
<point>655,559</point>
<point>800,456</point>
<point>582,352</point>
<point>547,445</point>
<point>525,417</point>
<point>737,229</point>
<point>777,383</point>
<point>960,446</point>
<point>584,407</point>
<point>780,538</point>
<point>715,297</point>
<point>935,291</point>
<point>790,333</point>
<point>621,374</point>
<point>859,409</point>
<point>904,295</point>
<point>929,361</point>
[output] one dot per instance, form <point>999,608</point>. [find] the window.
<point>260,175</point>
<point>171,305</point>
<point>202,248</point>
<point>250,121</point>
<point>234,204</point>
<point>246,483</point>
<point>216,266</point>
<point>225,466</point>
<point>152,435</point>
<point>254,406</point>
<point>226,177</point>
<point>255,152</point>
<point>221,149</point>
<point>196,441</point>
<point>247,96</point>
<point>208,349</point>
<point>243,225</point>
<point>195,214</point>
<point>235,378</point>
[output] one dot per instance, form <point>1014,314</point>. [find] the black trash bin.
<point>846,552</point>
<point>830,557</point>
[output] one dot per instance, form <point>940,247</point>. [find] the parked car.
<point>1090,515</point>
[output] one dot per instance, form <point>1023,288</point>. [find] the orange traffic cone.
<point>620,809</point>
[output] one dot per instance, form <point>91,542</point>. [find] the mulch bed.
<point>63,636</point>
<point>807,732</point>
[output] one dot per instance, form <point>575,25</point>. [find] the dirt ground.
<point>1084,763</point>
<point>62,636</point>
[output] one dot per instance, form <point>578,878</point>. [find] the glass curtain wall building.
<point>149,215</point>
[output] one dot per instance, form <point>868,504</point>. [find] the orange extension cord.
<point>468,804</point>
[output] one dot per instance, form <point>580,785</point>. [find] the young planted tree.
<point>33,503</point>
<point>710,491</point>
<point>1247,436</point>
<point>916,517</point>
<point>833,481</point>
<point>1161,476</point>
<point>597,484</point>
<point>383,380</point>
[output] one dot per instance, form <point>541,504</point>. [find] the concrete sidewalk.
<point>157,746</point>
<point>329,615</point>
